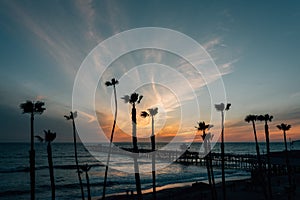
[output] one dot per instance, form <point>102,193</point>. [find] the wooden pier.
<point>232,161</point>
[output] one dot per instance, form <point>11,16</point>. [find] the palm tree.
<point>72,116</point>
<point>221,107</point>
<point>203,127</point>
<point>113,83</point>
<point>133,99</point>
<point>267,118</point>
<point>284,128</point>
<point>86,168</point>
<point>152,112</point>
<point>32,108</point>
<point>253,118</point>
<point>49,137</point>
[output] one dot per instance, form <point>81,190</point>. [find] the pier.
<point>232,161</point>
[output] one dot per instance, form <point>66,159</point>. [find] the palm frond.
<point>126,98</point>
<point>107,83</point>
<point>39,138</point>
<point>220,107</point>
<point>140,98</point>
<point>144,114</point>
<point>38,107</point>
<point>74,114</point>
<point>228,106</point>
<point>67,117</point>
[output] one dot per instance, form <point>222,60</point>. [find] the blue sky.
<point>254,44</point>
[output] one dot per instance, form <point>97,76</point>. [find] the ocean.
<point>15,179</point>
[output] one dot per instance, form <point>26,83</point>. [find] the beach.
<point>236,189</point>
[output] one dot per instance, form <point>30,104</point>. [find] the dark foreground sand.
<point>237,189</point>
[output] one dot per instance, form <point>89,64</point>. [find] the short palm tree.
<point>134,99</point>
<point>284,128</point>
<point>203,127</point>
<point>86,168</point>
<point>267,118</point>
<point>32,108</point>
<point>113,83</point>
<point>72,116</point>
<point>221,107</point>
<point>152,112</point>
<point>48,138</point>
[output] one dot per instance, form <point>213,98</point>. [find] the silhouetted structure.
<point>133,99</point>
<point>267,118</point>
<point>221,107</point>
<point>72,117</point>
<point>48,138</point>
<point>32,108</point>
<point>284,128</point>
<point>253,118</point>
<point>203,127</point>
<point>152,112</point>
<point>86,168</point>
<point>113,83</point>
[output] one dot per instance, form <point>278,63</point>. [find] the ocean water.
<point>15,179</point>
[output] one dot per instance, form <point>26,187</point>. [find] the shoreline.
<point>236,189</point>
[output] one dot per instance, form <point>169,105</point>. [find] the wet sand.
<point>236,189</point>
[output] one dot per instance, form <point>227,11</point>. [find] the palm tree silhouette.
<point>113,83</point>
<point>221,107</point>
<point>72,116</point>
<point>86,168</point>
<point>32,108</point>
<point>203,127</point>
<point>253,118</point>
<point>284,128</point>
<point>152,112</point>
<point>267,118</point>
<point>133,99</point>
<point>48,138</point>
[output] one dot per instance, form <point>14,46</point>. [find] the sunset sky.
<point>255,46</point>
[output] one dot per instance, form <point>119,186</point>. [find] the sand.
<point>236,189</point>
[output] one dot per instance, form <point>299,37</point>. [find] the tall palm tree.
<point>253,118</point>
<point>284,128</point>
<point>267,118</point>
<point>86,168</point>
<point>134,99</point>
<point>48,138</point>
<point>32,108</point>
<point>113,83</point>
<point>203,127</point>
<point>72,116</point>
<point>152,112</point>
<point>221,107</point>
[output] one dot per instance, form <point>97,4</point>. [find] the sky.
<point>254,45</point>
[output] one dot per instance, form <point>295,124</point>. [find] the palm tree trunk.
<point>76,159</point>
<point>51,172</point>
<point>111,140</point>
<point>212,172</point>
<point>268,160</point>
<point>88,185</point>
<point>208,167</point>
<point>135,153</point>
<point>287,160</point>
<point>32,158</point>
<point>223,158</point>
<point>261,176</point>
<point>153,160</point>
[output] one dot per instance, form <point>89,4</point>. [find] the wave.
<point>27,169</point>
